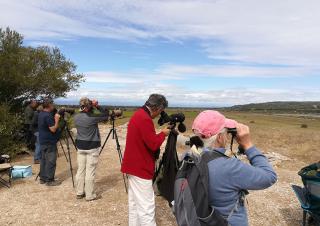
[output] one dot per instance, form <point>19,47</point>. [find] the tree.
<point>27,72</point>
<point>9,128</point>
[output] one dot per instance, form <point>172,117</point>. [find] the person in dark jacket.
<point>88,143</point>
<point>35,131</point>
<point>28,116</point>
<point>48,125</point>
<point>139,160</point>
<point>229,178</point>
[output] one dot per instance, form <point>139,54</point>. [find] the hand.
<point>243,136</point>
<point>166,131</point>
<point>95,103</point>
<point>56,118</point>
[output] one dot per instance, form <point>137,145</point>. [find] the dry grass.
<point>28,203</point>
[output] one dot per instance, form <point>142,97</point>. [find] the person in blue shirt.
<point>48,126</point>
<point>229,178</point>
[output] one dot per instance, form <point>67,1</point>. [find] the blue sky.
<point>197,53</point>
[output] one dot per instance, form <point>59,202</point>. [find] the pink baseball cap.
<point>209,123</point>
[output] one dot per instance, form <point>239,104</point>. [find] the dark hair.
<point>46,103</point>
<point>156,102</point>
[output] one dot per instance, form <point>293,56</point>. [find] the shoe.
<point>96,197</point>
<point>36,162</point>
<point>81,196</point>
<point>53,183</point>
<point>42,181</point>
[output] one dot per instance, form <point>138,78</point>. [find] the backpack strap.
<point>208,156</point>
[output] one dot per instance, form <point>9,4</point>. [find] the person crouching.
<point>88,143</point>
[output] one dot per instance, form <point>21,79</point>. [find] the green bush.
<point>9,127</point>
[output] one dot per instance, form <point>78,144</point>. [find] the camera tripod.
<point>68,135</point>
<point>113,131</point>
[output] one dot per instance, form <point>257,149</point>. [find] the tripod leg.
<point>70,161</point>
<point>105,141</point>
<point>70,135</point>
<point>71,170</point>
<point>120,158</point>
<point>65,155</point>
<point>37,176</point>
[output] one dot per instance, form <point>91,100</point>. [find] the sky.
<point>195,52</point>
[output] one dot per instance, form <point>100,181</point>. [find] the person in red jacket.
<point>139,160</point>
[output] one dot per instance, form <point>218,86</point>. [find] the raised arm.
<point>53,124</point>
<point>259,174</point>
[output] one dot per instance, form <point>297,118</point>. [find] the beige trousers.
<point>87,164</point>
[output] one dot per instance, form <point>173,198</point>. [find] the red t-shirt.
<point>141,144</point>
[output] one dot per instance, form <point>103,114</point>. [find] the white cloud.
<point>181,72</point>
<point>255,34</point>
<point>177,96</point>
<point>278,32</point>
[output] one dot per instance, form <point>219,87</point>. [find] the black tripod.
<point>68,135</point>
<point>113,131</point>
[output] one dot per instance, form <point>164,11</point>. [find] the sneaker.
<point>36,162</point>
<point>42,181</point>
<point>81,196</point>
<point>53,183</point>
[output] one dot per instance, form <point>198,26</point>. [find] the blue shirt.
<point>228,176</point>
<point>46,120</point>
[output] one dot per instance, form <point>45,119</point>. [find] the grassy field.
<point>272,133</point>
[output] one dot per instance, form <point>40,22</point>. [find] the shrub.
<point>304,126</point>
<point>9,125</point>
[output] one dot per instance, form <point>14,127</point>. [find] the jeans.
<point>37,152</point>
<point>48,162</point>
<point>87,164</point>
<point>141,202</point>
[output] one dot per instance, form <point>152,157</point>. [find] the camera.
<point>116,113</point>
<point>233,132</point>
<point>173,120</point>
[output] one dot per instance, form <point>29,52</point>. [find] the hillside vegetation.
<point>305,107</point>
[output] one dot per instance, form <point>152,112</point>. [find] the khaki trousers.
<point>87,164</point>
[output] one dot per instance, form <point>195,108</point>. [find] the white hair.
<point>208,142</point>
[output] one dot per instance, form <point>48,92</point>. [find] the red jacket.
<point>142,142</point>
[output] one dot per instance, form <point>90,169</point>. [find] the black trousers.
<point>48,162</point>
<point>30,138</point>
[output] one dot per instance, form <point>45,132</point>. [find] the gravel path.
<point>29,203</point>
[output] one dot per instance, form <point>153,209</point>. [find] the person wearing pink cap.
<point>230,178</point>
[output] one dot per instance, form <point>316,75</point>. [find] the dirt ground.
<point>29,203</point>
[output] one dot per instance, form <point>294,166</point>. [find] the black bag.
<point>168,167</point>
<point>191,196</point>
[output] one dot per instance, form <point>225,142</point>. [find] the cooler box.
<point>21,171</point>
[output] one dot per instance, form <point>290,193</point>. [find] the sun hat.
<point>209,123</point>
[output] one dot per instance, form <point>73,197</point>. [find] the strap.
<point>208,156</point>
<point>242,197</point>
<point>234,209</point>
